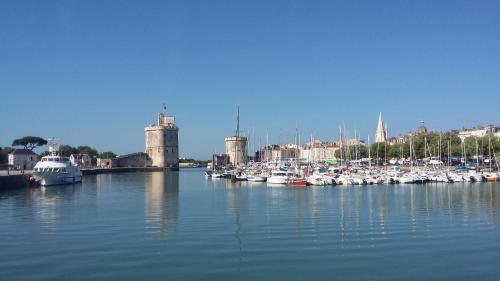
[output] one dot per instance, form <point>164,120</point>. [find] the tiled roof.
<point>23,151</point>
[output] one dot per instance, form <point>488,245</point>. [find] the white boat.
<point>256,178</point>
<point>406,179</point>
<point>241,177</point>
<point>316,180</point>
<point>278,177</point>
<point>54,169</point>
<point>216,174</point>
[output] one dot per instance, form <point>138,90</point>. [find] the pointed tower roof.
<point>380,135</point>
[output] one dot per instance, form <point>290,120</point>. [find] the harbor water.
<point>182,226</point>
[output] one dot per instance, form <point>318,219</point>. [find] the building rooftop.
<point>23,151</point>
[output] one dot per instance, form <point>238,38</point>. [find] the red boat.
<point>297,181</point>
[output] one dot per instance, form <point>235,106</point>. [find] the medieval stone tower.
<point>236,146</point>
<point>162,142</point>
<point>236,149</point>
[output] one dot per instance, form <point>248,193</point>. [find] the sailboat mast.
<point>489,150</point>
<point>440,144</point>
<point>369,153</point>
<point>237,137</point>
<point>341,144</point>
<point>477,154</point>
<point>449,152</point>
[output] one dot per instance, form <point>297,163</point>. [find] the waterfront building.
<point>352,142</point>
<point>381,133</point>
<point>23,159</point>
<point>83,161</point>
<point>403,138</point>
<point>479,131</point>
<point>219,161</point>
<point>162,142</point>
<point>277,152</point>
<point>137,159</point>
<point>236,149</point>
<point>104,163</point>
<point>317,151</point>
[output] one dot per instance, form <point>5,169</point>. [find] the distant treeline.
<point>67,150</point>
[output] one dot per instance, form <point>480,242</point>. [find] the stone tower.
<point>162,142</point>
<point>236,146</point>
<point>236,149</point>
<point>381,134</point>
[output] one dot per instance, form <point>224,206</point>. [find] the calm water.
<point>181,226</point>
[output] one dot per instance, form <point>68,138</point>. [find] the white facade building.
<point>318,151</point>
<point>83,161</point>
<point>479,132</point>
<point>23,159</point>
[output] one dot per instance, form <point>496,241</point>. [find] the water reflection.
<point>236,199</point>
<point>418,209</point>
<point>162,202</point>
<point>360,216</point>
<point>48,203</point>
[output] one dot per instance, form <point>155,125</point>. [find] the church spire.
<point>380,135</point>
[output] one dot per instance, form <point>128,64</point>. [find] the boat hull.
<point>256,179</point>
<point>297,182</point>
<point>277,180</point>
<point>56,179</point>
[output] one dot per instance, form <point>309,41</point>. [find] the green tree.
<point>4,154</point>
<point>29,142</point>
<point>67,150</point>
<point>378,151</point>
<point>83,149</point>
<point>107,154</point>
<point>487,143</point>
<point>398,150</point>
<point>361,150</point>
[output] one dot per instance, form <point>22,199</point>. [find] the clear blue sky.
<point>96,72</point>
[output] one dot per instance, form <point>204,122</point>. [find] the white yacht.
<point>278,177</point>
<point>54,169</point>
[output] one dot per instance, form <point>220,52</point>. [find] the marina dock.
<point>13,180</point>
